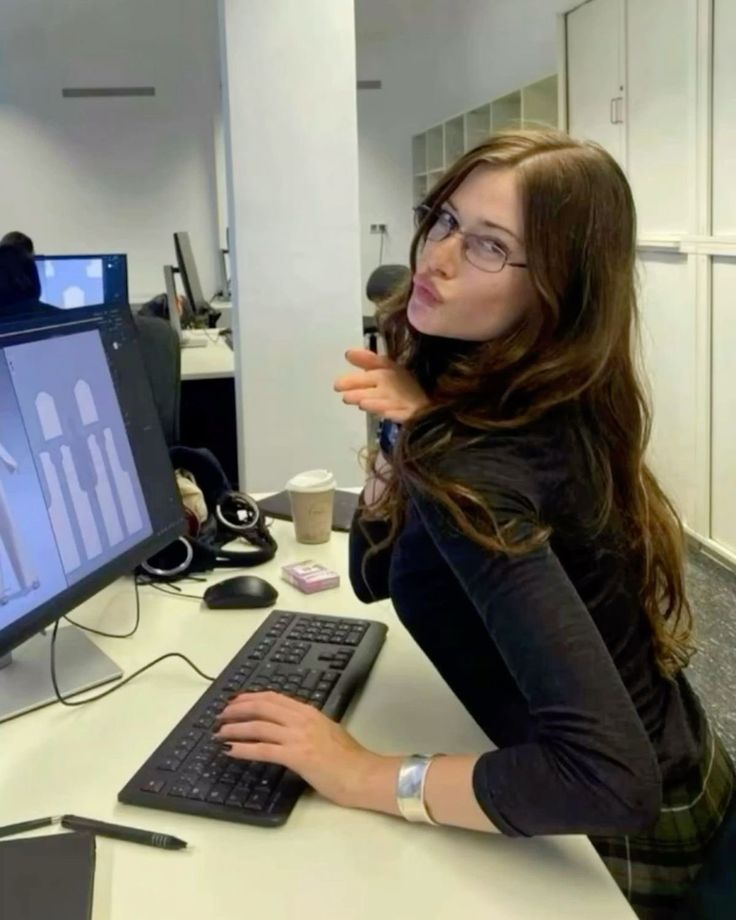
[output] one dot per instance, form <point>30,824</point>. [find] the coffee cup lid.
<point>312,481</point>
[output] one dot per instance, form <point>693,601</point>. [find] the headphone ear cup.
<point>170,563</point>
<point>238,513</point>
<point>229,558</point>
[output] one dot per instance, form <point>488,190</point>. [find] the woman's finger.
<point>376,406</point>
<point>254,730</point>
<point>270,707</point>
<point>351,381</point>
<point>356,397</point>
<point>367,360</point>
<point>264,752</point>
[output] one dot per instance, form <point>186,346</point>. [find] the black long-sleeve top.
<point>550,652</point>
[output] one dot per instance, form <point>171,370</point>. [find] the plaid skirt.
<point>656,869</point>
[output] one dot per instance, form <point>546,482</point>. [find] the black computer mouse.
<point>242,591</point>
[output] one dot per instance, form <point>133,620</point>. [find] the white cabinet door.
<point>669,349</point>
<point>723,458</point>
<point>661,46</point>
<point>724,118</point>
<point>594,73</point>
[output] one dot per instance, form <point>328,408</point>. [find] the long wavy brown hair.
<point>575,351</point>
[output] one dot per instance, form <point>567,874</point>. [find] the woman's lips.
<point>424,291</point>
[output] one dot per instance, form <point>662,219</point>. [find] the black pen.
<point>117,831</point>
<point>11,829</point>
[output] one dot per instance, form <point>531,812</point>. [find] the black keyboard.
<point>321,660</point>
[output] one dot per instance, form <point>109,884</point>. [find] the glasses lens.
<point>484,254</point>
<point>420,214</point>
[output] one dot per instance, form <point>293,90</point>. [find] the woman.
<point>521,537</point>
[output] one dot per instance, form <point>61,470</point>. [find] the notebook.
<point>47,877</point>
<point>277,506</point>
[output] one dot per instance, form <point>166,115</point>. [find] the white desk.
<point>214,360</point>
<point>326,862</point>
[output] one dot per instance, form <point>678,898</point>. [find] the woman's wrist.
<point>373,784</point>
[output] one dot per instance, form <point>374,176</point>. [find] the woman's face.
<point>454,299</point>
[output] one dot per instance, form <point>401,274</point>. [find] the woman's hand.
<point>382,387</point>
<point>274,728</point>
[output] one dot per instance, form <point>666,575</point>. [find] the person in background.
<point>524,542</point>
<point>20,240</point>
<point>20,286</point>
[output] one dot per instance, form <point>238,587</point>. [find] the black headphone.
<point>236,515</point>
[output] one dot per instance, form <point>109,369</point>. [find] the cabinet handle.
<point>620,110</point>
<point>612,111</point>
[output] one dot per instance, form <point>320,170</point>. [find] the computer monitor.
<point>172,300</point>
<point>87,489</point>
<point>189,274</point>
<point>75,281</point>
<point>225,292</point>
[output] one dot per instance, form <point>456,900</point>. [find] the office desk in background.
<point>207,411</point>
<point>213,361</point>
<point>326,863</point>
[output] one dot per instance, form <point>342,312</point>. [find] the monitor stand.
<point>25,676</point>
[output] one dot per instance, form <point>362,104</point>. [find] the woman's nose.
<point>444,257</point>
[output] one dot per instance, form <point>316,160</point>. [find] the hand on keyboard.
<point>322,660</point>
<point>277,729</point>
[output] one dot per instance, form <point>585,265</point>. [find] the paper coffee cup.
<point>312,496</point>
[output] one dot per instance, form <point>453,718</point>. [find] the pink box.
<point>309,576</point>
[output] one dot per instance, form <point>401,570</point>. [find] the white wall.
<point>442,59</point>
<point>292,175</point>
<point>111,175</point>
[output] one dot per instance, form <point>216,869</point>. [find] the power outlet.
<point>379,228</point>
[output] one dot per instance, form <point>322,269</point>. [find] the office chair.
<point>383,281</point>
<point>162,359</point>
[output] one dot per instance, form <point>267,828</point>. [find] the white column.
<point>289,85</point>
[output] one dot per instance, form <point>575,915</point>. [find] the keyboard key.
<point>257,799</point>
<point>218,794</point>
<point>237,798</point>
<point>311,679</point>
<point>153,785</point>
<point>273,772</point>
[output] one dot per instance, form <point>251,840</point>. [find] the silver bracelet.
<point>410,788</point>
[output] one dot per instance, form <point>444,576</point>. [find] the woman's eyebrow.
<point>488,223</point>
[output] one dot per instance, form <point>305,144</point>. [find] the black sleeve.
<point>590,767</point>
<point>369,574</point>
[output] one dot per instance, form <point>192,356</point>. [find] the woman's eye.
<point>489,245</point>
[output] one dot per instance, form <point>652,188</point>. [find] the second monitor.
<point>72,281</point>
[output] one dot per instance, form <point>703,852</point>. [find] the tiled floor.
<point>712,591</point>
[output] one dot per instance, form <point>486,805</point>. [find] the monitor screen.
<point>87,490</point>
<point>68,282</point>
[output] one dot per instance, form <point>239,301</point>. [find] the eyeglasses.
<point>483,252</point>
